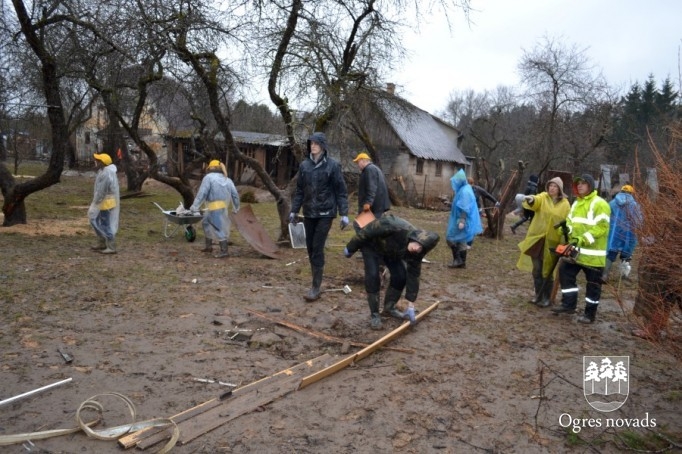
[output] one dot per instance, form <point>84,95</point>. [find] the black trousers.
<point>568,274</point>
<point>316,232</point>
<point>372,261</point>
<point>398,271</point>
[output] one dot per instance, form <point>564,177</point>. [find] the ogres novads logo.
<point>606,381</point>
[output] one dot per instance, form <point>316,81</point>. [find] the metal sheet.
<point>253,232</point>
<point>297,235</point>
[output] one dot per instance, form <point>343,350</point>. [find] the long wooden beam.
<point>202,418</point>
<point>310,379</point>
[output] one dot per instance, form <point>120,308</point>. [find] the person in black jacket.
<point>402,247</point>
<point>321,192</point>
<point>481,194</point>
<point>531,189</point>
<point>372,196</point>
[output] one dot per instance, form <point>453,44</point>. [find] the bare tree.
<point>334,56</point>
<point>561,81</point>
<point>326,53</point>
<point>15,194</point>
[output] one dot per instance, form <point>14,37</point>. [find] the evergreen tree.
<point>665,100</point>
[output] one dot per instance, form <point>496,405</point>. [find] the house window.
<point>420,166</point>
<point>87,137</point>
<point>439,169</point>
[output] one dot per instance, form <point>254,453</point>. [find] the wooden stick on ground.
<point>207,416</point>
<point>320,335</point>
<point>310,379</point>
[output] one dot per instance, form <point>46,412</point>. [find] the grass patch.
<point>646,441</point>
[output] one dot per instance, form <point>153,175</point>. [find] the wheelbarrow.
<point>172,221</point>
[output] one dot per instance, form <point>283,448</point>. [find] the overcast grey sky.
<point>626,39</point>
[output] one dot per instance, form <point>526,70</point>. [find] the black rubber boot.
<point>209,245</point>
<point>223,250</point>
<point>517,224</point>
<point>564,310</point>
<point>390,300</point>
<point>463,258</point>
<point>373,301</point>
<point>538,283</point>
<point>456,261</point>
<point>590,313</point>
<point>546,293</point>
<point>314,292</point>
<point>460,257</point>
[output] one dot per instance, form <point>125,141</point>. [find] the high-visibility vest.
<point>588,223</point>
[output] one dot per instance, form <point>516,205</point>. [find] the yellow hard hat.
<point>214,163</point>
<point>627,188</point>
<point>103,158</point>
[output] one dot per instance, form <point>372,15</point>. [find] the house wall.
<point>397,163</point>
<point>279,163</point>
<point>425,189</point>
<point>88,138</point>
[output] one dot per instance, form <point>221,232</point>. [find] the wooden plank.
<point>134,438</point>
<point>320,335</point>
<point>149,437</point>
<point>364,352</point>
<point>277,386</point>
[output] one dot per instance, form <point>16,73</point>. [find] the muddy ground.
<point>484,372</point>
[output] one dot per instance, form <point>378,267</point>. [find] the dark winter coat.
<point>481,194</point>
<point>531,189</point>
<point>372,190</point>
<point>389,237</point>
<point>320,188</point>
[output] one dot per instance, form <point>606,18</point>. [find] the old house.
<point>272,151</point>
<point>417,151</point>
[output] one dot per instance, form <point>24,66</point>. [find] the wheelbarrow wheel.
<point>190,233</point>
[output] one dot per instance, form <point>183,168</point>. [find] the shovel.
<point>345,290</point>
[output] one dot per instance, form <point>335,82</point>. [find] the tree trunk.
<point>13,207</point>
<point>496,222</point>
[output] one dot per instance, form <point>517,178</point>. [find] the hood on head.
<point>584,177</point>
<point>458,180</point>
<point>623,198</point>
<point>320,138</point>
<point>559,182</point>
<point>427,239</point>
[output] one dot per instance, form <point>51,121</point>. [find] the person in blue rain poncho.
<point>626,217</point>
<point>465,222</point>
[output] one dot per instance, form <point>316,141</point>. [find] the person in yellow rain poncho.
<point>105,206</point>
<point>216,192</point>
<point>550,207</point>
